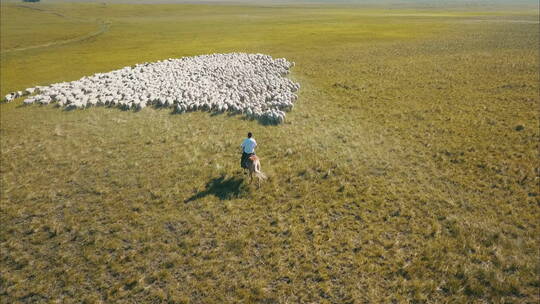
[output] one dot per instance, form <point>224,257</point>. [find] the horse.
<point>254,167</point>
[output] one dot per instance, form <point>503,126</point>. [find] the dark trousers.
<point>244,160</point>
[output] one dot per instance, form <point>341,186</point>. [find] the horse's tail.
<point>258,173</point>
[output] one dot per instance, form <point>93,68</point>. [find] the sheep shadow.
<point>262,121</point>
<point>224,188</point>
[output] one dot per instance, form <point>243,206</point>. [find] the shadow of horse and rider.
<point>222,187</point>
<point>226,188</point>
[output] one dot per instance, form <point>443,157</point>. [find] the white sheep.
<point>253,84</point>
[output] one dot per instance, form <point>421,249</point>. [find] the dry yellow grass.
<point>407,172</point>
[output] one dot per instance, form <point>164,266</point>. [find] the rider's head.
<point>249,134</point>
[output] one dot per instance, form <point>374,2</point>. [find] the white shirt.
<point>248,145</point>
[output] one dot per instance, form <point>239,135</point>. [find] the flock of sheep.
<point>252,84</point>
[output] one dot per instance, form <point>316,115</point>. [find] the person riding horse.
<point>248,149</point>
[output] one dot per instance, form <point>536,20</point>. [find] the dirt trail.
<point>104,26</point>
<point>524,21</point>
<point>42,10</point>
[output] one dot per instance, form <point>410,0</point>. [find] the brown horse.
<point>254,167</point>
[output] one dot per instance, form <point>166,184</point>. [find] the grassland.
<point>407,172</point>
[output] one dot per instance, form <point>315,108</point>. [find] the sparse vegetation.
<point>408,171</point>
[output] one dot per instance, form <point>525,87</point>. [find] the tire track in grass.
<point>104,26</point>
